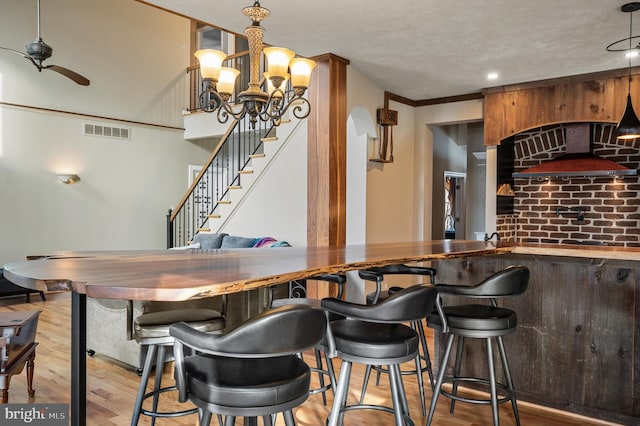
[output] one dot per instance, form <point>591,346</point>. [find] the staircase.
<point>235,165</point>
<point>239,160</point>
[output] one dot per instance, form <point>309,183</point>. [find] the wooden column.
<point>326,157</point>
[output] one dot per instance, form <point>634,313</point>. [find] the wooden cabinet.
<point>577,342</point>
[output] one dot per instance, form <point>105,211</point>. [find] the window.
<point>213,38</point>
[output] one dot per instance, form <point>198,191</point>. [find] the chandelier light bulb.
<point>278,60</point>
<point>227,80</point>
<point>301,69</point>
<point>210,62</point>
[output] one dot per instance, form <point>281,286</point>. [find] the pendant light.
<point>629,125</point>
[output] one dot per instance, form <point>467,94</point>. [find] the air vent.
<point>106,131</point>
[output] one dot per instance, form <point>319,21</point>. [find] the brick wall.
<point>611,205</point>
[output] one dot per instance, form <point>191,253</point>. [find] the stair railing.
<point>220,175</point>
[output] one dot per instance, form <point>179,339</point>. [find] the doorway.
<point>454,205</point>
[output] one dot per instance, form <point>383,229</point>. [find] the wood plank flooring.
<point>111,387</point>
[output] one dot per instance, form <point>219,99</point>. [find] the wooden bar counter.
<point>189,274</point>
<point>577,346</point>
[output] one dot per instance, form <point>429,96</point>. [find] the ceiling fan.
<point>38,51</point>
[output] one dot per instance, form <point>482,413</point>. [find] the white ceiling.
<point>425,49</point>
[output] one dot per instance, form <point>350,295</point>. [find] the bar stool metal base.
<point>156,351</point>
<point>507,389</point>
<point>400,408</point>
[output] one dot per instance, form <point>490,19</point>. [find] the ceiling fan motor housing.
<point>39,50</point>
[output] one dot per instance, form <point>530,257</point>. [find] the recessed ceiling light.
<point>631,54</point>
<point>492,75</point>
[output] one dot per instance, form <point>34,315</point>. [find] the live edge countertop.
<point>186,274</point>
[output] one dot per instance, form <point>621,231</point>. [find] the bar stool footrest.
<point>407,419</point>
<point>423,361</point>
<point>500,387</point>
<point>322,388</point>
<point>159,414</point>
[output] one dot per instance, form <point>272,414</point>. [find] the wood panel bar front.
<point>576,347</point>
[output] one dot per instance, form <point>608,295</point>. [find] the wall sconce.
<point>386,118</point>
<point>68,178</point>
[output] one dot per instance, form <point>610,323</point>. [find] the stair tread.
<point>214,216</point>
<point>223,202</point>
<point>269,139</point>
<point>256,155</point>
<point>246,171</point>
<point>234,187</point>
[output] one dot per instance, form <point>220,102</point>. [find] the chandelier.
<point>219,82</point>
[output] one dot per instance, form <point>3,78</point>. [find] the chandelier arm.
<point>301,110</point>
<point>209,100</point>
<point>226,110</point>
<point>274,107</point>
<point>223,116</point>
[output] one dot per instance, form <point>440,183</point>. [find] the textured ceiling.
<point>424,49</point>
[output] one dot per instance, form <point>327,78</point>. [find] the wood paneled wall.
<point>598,97</point>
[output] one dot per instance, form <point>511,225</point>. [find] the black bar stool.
<point>376,335</point>
<point>251,371</point>
<point>152,329</point>
<point>423,361</point>
<point>479,321</point>
<point>339,280</point>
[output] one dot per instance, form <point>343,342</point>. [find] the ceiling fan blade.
<point>81,80</point>
<point>24,55</point>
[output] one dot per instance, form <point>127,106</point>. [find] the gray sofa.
<point>109,321</point>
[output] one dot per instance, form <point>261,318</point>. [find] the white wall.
<point>276,205</point>
<point>399,194</point>
<point>360,129</point>
<point>390,207</point>
<point>135,57</point>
